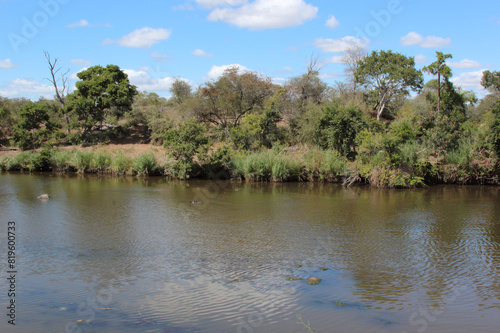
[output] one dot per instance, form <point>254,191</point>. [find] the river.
<point>108,254</point>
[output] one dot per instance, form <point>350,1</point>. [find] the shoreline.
<point>146,160</point>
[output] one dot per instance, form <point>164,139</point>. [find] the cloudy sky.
<point>157,41</point>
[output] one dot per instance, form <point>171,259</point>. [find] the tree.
<point>389,74</point>
<point>225,101</point>
<point>101,92</point>
<point>308,87</point>
<point>181,90</point>
<point>34,126</point>
<point>60,88</point>
<point>185,142</point>
<point>440,69</point>
<point>339,127</point>
<point>351,60</point>
<point>491,81</point>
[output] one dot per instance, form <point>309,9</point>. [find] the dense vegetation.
<point>368,130</point>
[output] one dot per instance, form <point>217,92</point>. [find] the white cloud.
<point>329,75</point>
<point>80,62</point>
<point>7,64</point>
<point>27,88</point>
<point>332,22</point>
<point>142,38</point>
<point>340,45</point>
<point>338,59</point>
<point>186,6</point>
<point>85,23</point>
<point>469,80</point>
<point>216,71</point>
<point>145,82</point>
<point>284,70</point>
<point>81,23</point>
<point>201,53</point>
<point>421,59</point>
<point>414,38</point>
<point>73,75</point>
<point>160,57</point>
<point>219,3</point>
<point>464,64</point>
<point>266,14</point>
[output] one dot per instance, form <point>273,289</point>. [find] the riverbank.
<point>298,163</point>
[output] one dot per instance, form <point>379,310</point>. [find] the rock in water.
<point>313,281</point>
<point>43,197</point>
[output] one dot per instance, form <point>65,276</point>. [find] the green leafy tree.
<point>34,126</point>
<point>186,142</point>
<point>491,81</point>
<point>389,75</point>
<point>181,91</point>
<point>101,92</point>
<point>339,127</point>
<point>225,101</point>
<point>442,71</point>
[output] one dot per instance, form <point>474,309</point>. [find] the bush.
<point>121,164</point>
<point>267,165</point>
<point>339,127</point>
<point>82,160</point>
<point>145,164</point>
<point>62,160</point>
<point>324,165</point>
<point>101,161</point>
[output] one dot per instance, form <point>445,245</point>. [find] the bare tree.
<point>60,85</point>
<point>351,59</point>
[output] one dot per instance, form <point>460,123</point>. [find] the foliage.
<point>389,74</point>
<point>338,128</point>
<point>121,164</point>
<point>225,101</point>
<point>34,126</point>
<point>145,164</point>
<point>82,160</point>
<point>100,93</point>
<point>181,91</point>
<point>491,81</point>
<point>495,129</point>
<point>101,161</point>
<point>267,165</point>
<point>185,142</point>
<point>324,165</point>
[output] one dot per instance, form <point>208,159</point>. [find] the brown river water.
<point>110,254</point>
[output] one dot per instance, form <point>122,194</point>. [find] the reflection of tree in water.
<point>400,243</point>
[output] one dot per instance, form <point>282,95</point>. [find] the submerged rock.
<point>313,281</point>
<point>293,278</point>
<point>194,202</point>
<point>43,196</point>
<point>323,268</point>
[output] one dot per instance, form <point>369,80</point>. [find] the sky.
<point>155,42</point>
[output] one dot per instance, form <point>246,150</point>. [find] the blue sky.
<point>157,41</point>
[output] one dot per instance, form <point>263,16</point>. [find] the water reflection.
<point>128,255</point>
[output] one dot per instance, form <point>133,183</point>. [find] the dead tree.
<point>60,85</point>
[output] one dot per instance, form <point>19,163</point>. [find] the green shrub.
<point>327,165</point>
<point>82,160</point>
<point>121,164</point>
<point>145,164</point>
<point>41,161</point>
<point>62,160</point>
<point>101,161</point>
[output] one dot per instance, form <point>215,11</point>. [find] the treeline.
<point>367,129</point>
